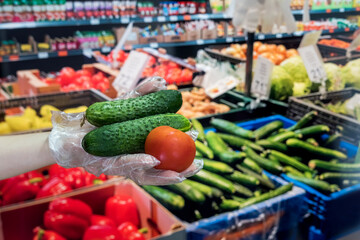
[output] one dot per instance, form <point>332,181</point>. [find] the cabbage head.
<point>281,84</point>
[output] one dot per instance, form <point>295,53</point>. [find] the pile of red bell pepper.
<point>34,184</point>
<point>69,218</point>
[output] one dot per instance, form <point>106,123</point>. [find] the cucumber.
<point>312,141</point>
<point>265,196</point>
<point>169,199</point>
<point>283,136</point>
<point>198,127</point>
<point>303,121</point>
<point>229,205</point>
<point>109,112</point>
<point>272,145</point>
<point>339,176</point>
<point>204,150</point>
<point>263,181</point>
<point>198,154</point>
<point>257,193</point>
<point>309,148</point>
<point>239,142</point>
<point>231,128</point>
<point>334,167</point>
<point>333,141</point>
<point>250,164</point>
<point>289,161</point>
<point>241,178</point>
<point>206,190</point>
<point>308,175</point>
<point>313,130</point>
<point>318,184</point>
<point>244,191</point>
<point>197,214</point>
<point>187,192</point>
<point>129,137</point>
<point>217,167</point>
<point>239,199</point>
<point>273,159</point>
<point>217,193</point>
<point>214,180</point>
<point>231,157</point>
<point>289,169</point>
<point>263,162</point>
<point>268,129</point>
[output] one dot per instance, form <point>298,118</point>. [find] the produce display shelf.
<point>122,20</point>
<point>329,11</point>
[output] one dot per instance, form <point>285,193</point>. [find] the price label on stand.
<point>130,72</point>
<point>261,84</point>
<point>43,55</point>
<point>353,45</point>
<point>313,63</point>
<point>310,38</point>
<point>220,87</point>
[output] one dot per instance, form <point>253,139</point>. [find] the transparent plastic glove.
<point>65,144</point>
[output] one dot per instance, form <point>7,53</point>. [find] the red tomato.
<point>80,73</point>
<point>172,65</point>
<point>81,80</point>
<point>173,148</point>
<point>97,78</point>
<point>186,75</point>
<point>67,75</point>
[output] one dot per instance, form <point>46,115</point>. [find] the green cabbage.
<point>300,89</point>
<point>281,84</point>
<point>295,67</point>
<point>350,74</point>
<point>333,74</point>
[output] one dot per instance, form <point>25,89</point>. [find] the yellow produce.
<point>76,110</point>
<point>4,128</point>
<point>29,113</point>
<point>18,123</point>
<point>45,111</point>
<point>44,123</point>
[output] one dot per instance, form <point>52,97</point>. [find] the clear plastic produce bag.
<point>69,129</point>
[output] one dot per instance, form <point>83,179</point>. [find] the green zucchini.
<point>308,174</point>
<point>262,162</point>
<point>250,164</point>
<point>289,169</point>
<point>317,184</point>
<point>169,199</point>
<point>239,142</point>
<point>217,167</point>
<point>244,191</point>
<point>214,180</point>
<point>334,167</point>
<point>289,161</point>
<point>241,178</point>
<point>263,181</point>
<point>267,129</point>
<point>206,190</point>
<point>229,205</point>
<point>333,141</point>
<point>109,112</point>
<point>204,150</point>
<point>312,141</point>
<point>198,127</point>
<point>339,176</point>
<point>309,148</point>
<point>283,136</point>
<point>239,199</point>
<point>303,121</point>
<point>217,193</point>
<point>313,130</point>
<point>129,137</point>
<point>231,128</point>
<point>187,192</point>
<point>272,145</point>
<point>198,154</point>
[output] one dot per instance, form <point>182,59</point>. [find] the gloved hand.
<point>65,145</point>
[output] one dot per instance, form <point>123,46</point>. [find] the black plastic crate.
<point>214,52</point>
<point>299,106</point>
<point>342,60</point>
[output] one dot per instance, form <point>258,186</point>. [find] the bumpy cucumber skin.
<point>169,199</point>
<point>129,137</point>
<point>105,113</point>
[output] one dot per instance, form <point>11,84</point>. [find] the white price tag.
<point>87,53</point>
<point>221,87</point>
<point>261,85</point>
<point>342,10</point>
<point>203,16</point>
<point>161,19</point>
<point>130,72</point>
<point>313,63</point>
<point>148,19</point>
<point>125,20</point>
<point>298,33</point>
<point>229,39</point>
<point>200,42</point>
<point>154,45</point>
<point>43,55</point>
<point>261,36</point>
<point>310,38</point>
<point>353,45</point>
<point>174,18</point>
<point>106,49</point>
<point>279,35</point>
<point>94,21</point>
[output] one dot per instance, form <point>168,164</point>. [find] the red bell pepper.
<point>97,232</point>
<point>69,217</point>
<point>128,231</point>
<point>54,187</point>
<point>122,208</point>
<point>102,221</point>
<point>22,191</point>
<point>41,234</point>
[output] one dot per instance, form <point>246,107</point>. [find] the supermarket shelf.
<point>88,52</point>
<point>326,11</point>
<point>123,20</point>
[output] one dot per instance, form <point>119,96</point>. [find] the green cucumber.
<point>273,159</point>
<point>250,164</point>
<point>272,145</point>
<point>312,141</point>
<point>309,148</point>
<point>334,167</point>
<point>187,192</point>
<point>289,169</point>
<point>289,161</point>
<point>239,142</point>
<point>263,162</point>
<point>198,127</point>
<point>217,167</point>
<point>244,191</point>
<point>318,184</point>
<point>217,193</point>
<point>109,112</point>
<point>313,130</point>
<point>204,150</point>
<point>229,205</point>
<point>283,136</point>
<point>257,193</point>
<point>266,130</point>
<point>129,137</point>
<point>198,154</point>
<point>214,180</point>
<point>308,175</point>
<point>333,141</point>
<point>265,196</point>
<point>241,178</point>
<point>239,199</point>
<point>303,121</point>
<point>169,199</point>
<point>231,128</point>
<point>231,157</point>
<point>206,190</point>
<point>339,176</point>
<point>263,181</point>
